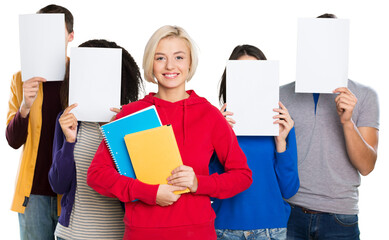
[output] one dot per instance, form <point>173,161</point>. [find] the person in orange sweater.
<point>170,60</point>
<point>33,107</point>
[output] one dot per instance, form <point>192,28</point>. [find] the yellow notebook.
<point>154,154</point>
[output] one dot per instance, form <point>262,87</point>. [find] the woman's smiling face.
<point>172,62</point>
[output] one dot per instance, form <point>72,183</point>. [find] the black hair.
<point>131,84</point>
<point>327,15</point>
<point>239,51</point>
<point>52,8</point>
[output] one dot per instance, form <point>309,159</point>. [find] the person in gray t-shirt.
<point>337,139</point>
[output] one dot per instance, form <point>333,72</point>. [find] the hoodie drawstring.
<point>183,124</point>
<point>162,107</point>
<point>162,110</point>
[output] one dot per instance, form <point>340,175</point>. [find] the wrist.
<point>281,147</point>
<point>24,110</point>
<point>193,189</point>
<point>280,144</point>
<point>279,139</point>
<point>348,124</point>
<point>70,139</point>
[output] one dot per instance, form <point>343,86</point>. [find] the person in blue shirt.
<point>260,212</point>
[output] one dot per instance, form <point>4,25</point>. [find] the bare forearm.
<point>280,145</point>
<point>362,155</point>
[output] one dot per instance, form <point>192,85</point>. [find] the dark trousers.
<point>310,225</point>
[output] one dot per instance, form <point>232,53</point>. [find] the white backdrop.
<point>217,27</point>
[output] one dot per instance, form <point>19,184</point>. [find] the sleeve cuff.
<point>145,192</point>
<point>69,147</point>
<point>206,185</point>
<point>22,120</point>
<point>283,155</point>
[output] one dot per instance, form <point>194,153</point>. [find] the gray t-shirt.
<point>328,180</point>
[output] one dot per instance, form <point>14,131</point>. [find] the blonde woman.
<point>170,60</point>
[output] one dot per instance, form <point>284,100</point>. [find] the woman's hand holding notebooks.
<point>154,154</point>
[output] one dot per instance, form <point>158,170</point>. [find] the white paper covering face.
<point>95,82</point>
<point>322,55</point>
<point>252,89</point>
<point>42,46</point>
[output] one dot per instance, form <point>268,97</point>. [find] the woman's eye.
<point>159,58</point>
<point>179,58</point>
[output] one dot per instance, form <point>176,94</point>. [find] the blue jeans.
<point>39,219</point>
<point>321,226</point>
<point>257,234</point>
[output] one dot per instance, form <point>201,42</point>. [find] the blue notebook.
<point>115,131</point>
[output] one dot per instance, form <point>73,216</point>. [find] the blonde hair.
<point>161,33</point>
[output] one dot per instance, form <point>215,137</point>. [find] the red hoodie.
<point>200,129</point>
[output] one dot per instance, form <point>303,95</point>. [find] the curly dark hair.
<point>239,51</point>
<point>131,84</point>
<point>52,8</point>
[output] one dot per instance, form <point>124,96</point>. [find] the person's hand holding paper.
<point>69,124</point>
<point>30,92</point>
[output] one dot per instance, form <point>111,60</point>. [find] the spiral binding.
<point>110,150</point>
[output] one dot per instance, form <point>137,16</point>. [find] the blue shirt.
<point>275,177</point>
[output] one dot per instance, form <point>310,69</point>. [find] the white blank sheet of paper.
<point>95,82</point>
<point>42,46</point>
<point>252,89</point>
<point>322,55</point>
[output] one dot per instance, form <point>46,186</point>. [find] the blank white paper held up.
<point>95,82</point>
<point>322,55</point>
<point>42,46</point>
<point>252,92</point>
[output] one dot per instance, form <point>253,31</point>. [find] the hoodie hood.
<point>191,100</point>
<point>170,112</point>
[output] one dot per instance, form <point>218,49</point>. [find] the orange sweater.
<point>30,149</point>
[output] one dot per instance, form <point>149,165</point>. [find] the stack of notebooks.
<point>142,148</point>
<point>154,154</point>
